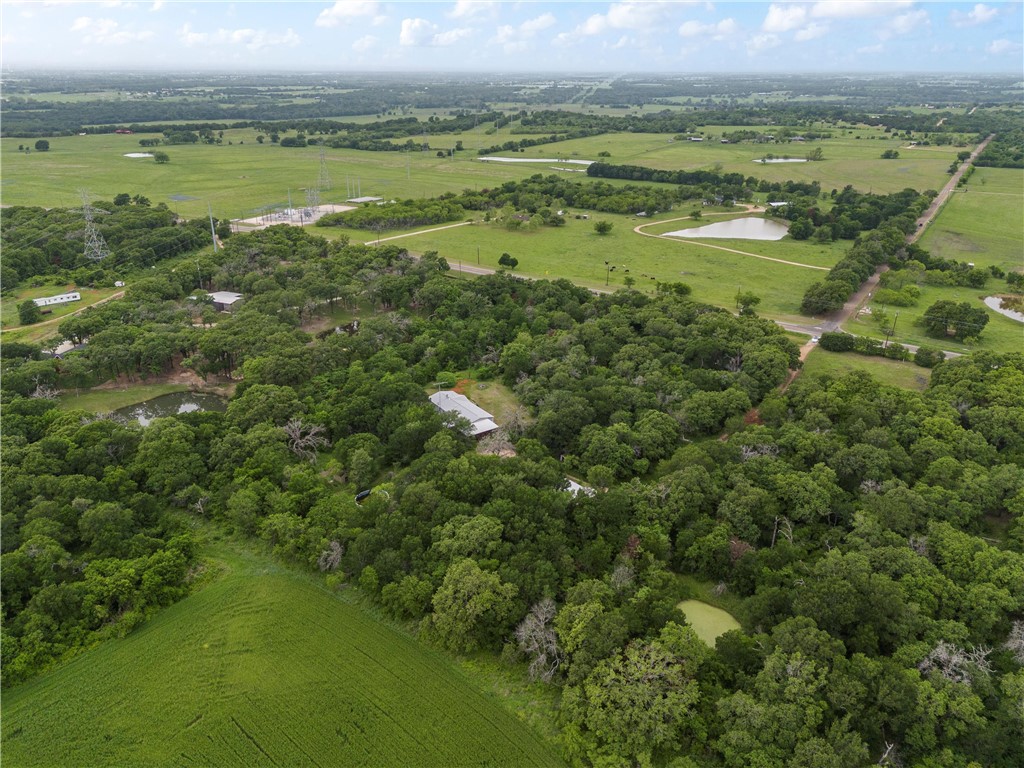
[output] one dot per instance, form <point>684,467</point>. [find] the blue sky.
<point>477,36</point>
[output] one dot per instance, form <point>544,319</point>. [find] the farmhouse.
<point>481,422</point>
<point>62,298</point>
<point>224,300</point>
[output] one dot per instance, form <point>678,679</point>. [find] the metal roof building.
<point>481,422</point>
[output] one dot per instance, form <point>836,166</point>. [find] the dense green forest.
<point>870,540</point>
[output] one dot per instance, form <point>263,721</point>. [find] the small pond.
<point>138,154</point>
<point>748,228</point>
<point>995,304</point>
<point>171,405</point>
<point>707,621</point>
<point>767,160</point>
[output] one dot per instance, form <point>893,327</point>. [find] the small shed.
<point>449,401</point>
<point>224,301</point>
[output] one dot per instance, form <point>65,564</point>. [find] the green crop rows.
<point>262,667</point>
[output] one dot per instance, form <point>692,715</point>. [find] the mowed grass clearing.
<point>707,621</point>
<point>108,400</point>
<point>897,373</point>
<point>577,253</point>
<point>264,666</point>
<point>983,222</point>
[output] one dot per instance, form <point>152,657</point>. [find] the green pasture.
<point>707,621</point>
<point>1001,334</point>
<point>263,666</point>
<point>906,375</point>
<point>853,158</point>
<point>576,252</point>
<point>11,300</point>
<point>983,222</point>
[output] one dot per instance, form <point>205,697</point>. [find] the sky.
<point>479,36</point>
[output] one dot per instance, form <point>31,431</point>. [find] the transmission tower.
<point>324,182</point>
<point>313,198</point>
<point>95,246</point>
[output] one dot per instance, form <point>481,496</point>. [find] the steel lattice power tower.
<point>95,246</point>
<point>324,182</point>
<point>313,199</point>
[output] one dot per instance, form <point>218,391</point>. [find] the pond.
<point>995,303</point>
<point>138,154</point>
<point>707,621</point>
<point>748,228</point>
<point>766,160</point>
<point>171,405</point>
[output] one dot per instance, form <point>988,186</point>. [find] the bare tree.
<point>957,664</point>
<point>330,558</point>
<point>623,577</point>
<point>536,638</point>
<point>305,440</point>
<point>1015,642</point>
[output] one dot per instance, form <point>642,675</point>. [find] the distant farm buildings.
<point>480,421</point>
<point>63,298</point>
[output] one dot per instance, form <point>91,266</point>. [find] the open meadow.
<point>576,252</point>
<point>264,666</point>
<point>983,222</point>
<point>897,373</point>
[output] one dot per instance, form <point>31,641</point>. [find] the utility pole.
<point>213,232</point>
<point>324,182</point>
<point>891,332</point>
<point>478,255</point>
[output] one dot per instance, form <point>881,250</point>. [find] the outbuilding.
<point>449,401</point>
<point>224,301</point>
<point>61,298</point>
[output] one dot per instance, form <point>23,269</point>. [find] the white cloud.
<point>857,9</point>
<point>251,39</point>
<point>782,18</point>
<point>1001,46</point>
<point>450,37</point>
<point>416,32</point>
<point>760,43</point>
<point>811,31</point>
<point>157,5</point>
<point>867,49</point>
<point>465,9</point>
<point>107,32</point>
<point>348,11</point>
<point>420,32</point>
<point>508,34</point>
<point>636,15</point>
<point>364,44</point>
<point>719,31</point>
<point>904,24</point>
<point>980,14</point>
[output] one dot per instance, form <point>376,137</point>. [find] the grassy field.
<point>9,306</point>
<point>853,158</point>
<point>1001,334</point>
<point>107,400</point>
<point>264,666</point>
<point>984,222</point>
<point>707,621</point>
<point>576,252</point>
<point>906,375</point>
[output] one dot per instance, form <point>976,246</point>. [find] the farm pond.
<point>747,228</point>
<point>171,405</point>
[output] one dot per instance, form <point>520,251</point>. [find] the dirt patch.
<point>215,385</point>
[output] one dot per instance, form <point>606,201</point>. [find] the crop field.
<point>983,222</point>
<point>211,667</point>
<point>262,667</point>
<point>576,252</point>
<point>906,375</point>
